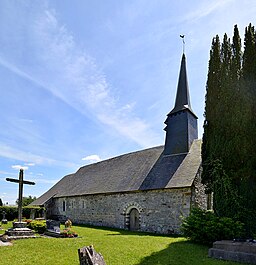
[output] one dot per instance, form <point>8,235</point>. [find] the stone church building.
<point>148,190</point>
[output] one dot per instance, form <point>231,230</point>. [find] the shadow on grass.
<point>183,253</point>
<point>121,232</point>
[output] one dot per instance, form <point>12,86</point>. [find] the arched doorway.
<point>134,220</point>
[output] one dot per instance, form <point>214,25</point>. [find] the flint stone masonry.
<point>160,211</point>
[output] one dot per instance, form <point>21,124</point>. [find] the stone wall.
<point>199,198</point>
<point>160,211</point>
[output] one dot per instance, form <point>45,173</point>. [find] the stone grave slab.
<point>244,252</point>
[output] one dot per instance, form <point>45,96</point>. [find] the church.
<point>149,190</point>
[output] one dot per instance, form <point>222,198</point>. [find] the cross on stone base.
<point>19,230</point>
<point>21,182</point>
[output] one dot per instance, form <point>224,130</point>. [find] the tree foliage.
<point>205,227</point>
<point>1,202</point>
<point>26,200</point>
<point>229,142</point>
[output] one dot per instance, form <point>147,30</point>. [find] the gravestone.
<point>53,228</point>
<point>88,256</point>
<point>4,220</point>
<point>53,225</point>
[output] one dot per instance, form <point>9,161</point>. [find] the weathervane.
<point>183,41</point>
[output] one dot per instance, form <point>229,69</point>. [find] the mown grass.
<point>118,247</point>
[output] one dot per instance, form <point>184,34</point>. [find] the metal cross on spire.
<point>21,182</point>
<point>183,41</point>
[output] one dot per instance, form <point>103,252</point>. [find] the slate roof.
<point>142,170</point>
<point>182,101</point>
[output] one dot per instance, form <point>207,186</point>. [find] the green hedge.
<point>205,227</point>
<point>12,212</point>
<point>38,226</point>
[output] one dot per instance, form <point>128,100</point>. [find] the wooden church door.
<point>134,220</point>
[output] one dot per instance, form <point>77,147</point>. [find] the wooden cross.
<point>21,182</point>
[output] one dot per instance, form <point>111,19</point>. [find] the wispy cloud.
<point>13,153</point>
<point>92,158</point>
<point>205,9</point>
<point>74,77</point>
<point>29,164</point>
<point>7,173</point>
<point>17,154</point>
<point>24,167</point>
<point>19,167</point>
<point>90,89</point>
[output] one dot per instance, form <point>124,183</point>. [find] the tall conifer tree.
<point>212,89</point>
<point>229,142</point>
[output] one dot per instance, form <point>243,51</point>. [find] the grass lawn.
<point>118,247</point>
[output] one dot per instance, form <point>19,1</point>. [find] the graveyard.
<point>117,247</point>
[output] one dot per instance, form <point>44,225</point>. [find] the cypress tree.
<point>229,142</point>
<point>236,56</point>
<point>211,99</point>
<point>247,186</point>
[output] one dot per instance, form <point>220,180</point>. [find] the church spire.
<point>181,129</point>
<point>182,96</point>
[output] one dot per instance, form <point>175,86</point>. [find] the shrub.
<point>68,232</point>
<point>11,212</point>
<point>205,227</point>
<point>38,226</point>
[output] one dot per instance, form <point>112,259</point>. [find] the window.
<point>64,206</point>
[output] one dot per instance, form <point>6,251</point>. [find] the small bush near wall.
<point>205,227</point>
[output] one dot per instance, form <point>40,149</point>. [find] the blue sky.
<point>87,80</point>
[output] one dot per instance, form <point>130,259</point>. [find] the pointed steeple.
<point>181,129</point>
<point>182,96</point>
